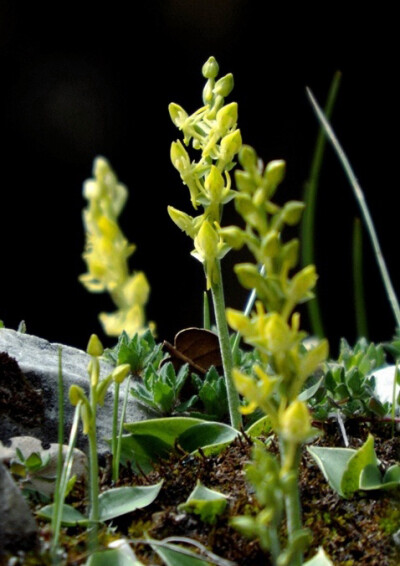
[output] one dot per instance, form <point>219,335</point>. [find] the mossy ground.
<point>352,531</point>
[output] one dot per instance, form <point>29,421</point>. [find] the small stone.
<point>18,530</point>
<point>44,479</point>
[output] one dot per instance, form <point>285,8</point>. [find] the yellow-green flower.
<point>107,252</point>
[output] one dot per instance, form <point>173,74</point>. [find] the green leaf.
<point>320,559</point>
<point>262,427</point>
<point>363,456</point>
<point>121,500</point>
<point>343,467</point>
<point>391,477</point>
<point>115,556</point>
<point>210,436</point>
<point>308,393</point>
<point>371,478</point>
<point>332,463</point>
<point>69,517</point>
<point>166,429</point>
<point>142,450</point>
<point>173,555</point>
<point>205,502</point>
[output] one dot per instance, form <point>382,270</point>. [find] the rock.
<point>18,529</point>
<point>384,378</point>
<point>44,479</point>
<point>28,392</point>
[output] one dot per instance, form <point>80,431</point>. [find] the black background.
<point>80,80</point>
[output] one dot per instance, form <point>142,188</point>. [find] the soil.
<point>356,531</point>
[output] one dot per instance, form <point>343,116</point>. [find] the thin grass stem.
<point>310,198</point>
<point>358,281</point>
<point>358,192</point>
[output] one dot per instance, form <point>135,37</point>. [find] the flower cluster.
<point>212,131</point>
<point>107,252</point>
<point>273,329</point>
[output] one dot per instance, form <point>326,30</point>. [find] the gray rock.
<point>38,361</point>
<point>18,529</point>
<point>44,479</point>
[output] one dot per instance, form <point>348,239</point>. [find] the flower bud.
<point>76,394</point>
<point>277,334</point>
<point>183,221</point>
<point>230,145</point>
<point>302,283</point>
<point>210,68</point>
<point>179,157</point>
<point>177,114</point>
<point>214,185</point>
<point>233,236</point>
<point>121,372</point>
<point>270,244</point>
<point>206,242</point>
<point>275,172</point>
<point>244,181</point>
<point>292,211</point>
<point>227,117</point>
<point>94,347</point>
<point>248,157</point>
<point>295,422</point>
<point>224,85</point>
<point>238,321</point>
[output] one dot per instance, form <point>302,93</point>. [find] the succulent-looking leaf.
<point>114,556</point>
<point>122,500</point>
<point>205,502</point>
<point>363,456</point>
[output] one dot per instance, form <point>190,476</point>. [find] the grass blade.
<point>358,192</point>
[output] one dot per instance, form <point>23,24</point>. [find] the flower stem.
<point>93,474</point>
<point>226,352</point>
<point>292,496</point>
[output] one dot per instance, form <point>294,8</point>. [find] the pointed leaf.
<point>332,463</point>
<point>363,456</point>
<point>205,502</point>
<point>210,436</point>
<point>69,517</point>
<point>173,555</point>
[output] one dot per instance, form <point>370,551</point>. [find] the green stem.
<point>206,312</point>
<point>359,298</point>
<point>226,352</point>
<point>62,482</point>
<point>115,462</point>
<point>121,426</point>
<point>93,472</point>
<point>310,198</point>
<point>358,192</point>
<point>291,459</point>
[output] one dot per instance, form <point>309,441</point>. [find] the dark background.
<point>78,80</point>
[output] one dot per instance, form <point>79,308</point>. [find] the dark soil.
<point>356,531</point>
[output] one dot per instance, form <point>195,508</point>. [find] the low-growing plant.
<point>279,381</point>
<point>348,383</point>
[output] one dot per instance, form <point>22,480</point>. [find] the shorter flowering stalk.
<point>88,410</point>
<point>107,252</point>
<point>273,329</point>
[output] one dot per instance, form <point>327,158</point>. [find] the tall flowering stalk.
<point>273,329</point>
<point>213,134</point>
<point>107,252</point>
